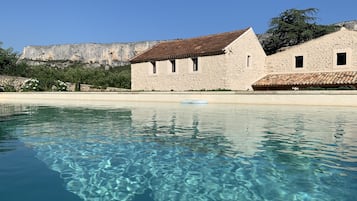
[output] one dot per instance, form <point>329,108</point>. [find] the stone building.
<point>236,61</point>
<point>329,61</point>
<point>231,60</point>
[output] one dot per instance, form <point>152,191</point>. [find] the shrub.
<point>31,85</point>
<point>47,76</point>
<point>60,86</point>
<point>9,88</point>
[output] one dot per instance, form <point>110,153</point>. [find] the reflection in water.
<point>6,140</point>
<point>8,113</point>
<point>181,152</point>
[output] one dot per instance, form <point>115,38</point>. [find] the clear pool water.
<point>178,152</point>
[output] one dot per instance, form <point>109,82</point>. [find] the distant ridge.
<point>352,24</point>
<point>107,55</point>
<point>90,54</point>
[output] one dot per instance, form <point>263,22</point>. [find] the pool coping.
<point>315,98</point>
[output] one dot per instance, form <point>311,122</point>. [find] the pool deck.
<point>316,98</point>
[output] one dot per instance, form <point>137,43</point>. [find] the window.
<point>153,63</point>
<point>173,66</point>
<point>195,64</point>
<point>341,59</point>
<point>248,60</point>
<point>299,61</point>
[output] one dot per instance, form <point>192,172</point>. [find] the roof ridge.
<point>214,34</point>
<point>204,36</point>
<point>212,44</point>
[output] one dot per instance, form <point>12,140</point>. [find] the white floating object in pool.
<point>194,102</point>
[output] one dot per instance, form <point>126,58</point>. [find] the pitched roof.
<point>193,47</point>
<point>308,79</point>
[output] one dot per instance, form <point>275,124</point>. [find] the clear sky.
<point>47,22</point>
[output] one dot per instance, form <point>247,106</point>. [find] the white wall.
<point>241,75</point>
<point>210,75</point>
<point>227,71</point>
<point>319,54</point>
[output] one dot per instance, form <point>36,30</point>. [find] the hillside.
<point>91,54</point>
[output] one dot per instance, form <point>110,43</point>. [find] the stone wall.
<point>210,75</point>
<point>95,55</point>
<point>245,62</point>
<point>15,82</point>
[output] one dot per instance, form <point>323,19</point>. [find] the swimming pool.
<point>178,152</point>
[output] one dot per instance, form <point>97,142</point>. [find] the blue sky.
<point>46,22</point>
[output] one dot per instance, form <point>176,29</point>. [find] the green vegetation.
<point>48,76</point>
<point>293,27</point>
<point>9,88</point>
<point>8,59</point>
<point>31,85</point>
<point>76,73</point>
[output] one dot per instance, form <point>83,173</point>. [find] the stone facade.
<point>319,55</point>
<point>208,76</point>
<point>244,62</point>
<point>240,65</point>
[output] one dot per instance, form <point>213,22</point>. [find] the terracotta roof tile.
<point>303,79</point>
<point>193,47</point>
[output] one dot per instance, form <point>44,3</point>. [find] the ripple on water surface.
<point>175,152</point>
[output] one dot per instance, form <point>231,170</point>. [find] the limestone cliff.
<point>92,54</point>
<point>352,25</point>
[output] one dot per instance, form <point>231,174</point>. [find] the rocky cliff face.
<point>91,54</point>
<point>352,25</point>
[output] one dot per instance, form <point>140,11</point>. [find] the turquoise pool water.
<point>178,152</point>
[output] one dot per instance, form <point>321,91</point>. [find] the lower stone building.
<point>231,60</point>
<point>329,61</point>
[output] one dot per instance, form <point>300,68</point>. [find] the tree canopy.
<point>292,27</point>
<point>8,58</point>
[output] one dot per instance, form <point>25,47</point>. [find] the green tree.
<point>292,27</point>
<point>8,59</point>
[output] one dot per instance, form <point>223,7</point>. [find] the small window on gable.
<point>173,66</point>
<point>153,63</point>
<point>195,64</point>
<point>248,60</point>
<point>341,58</point>
<point>299,61</point>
